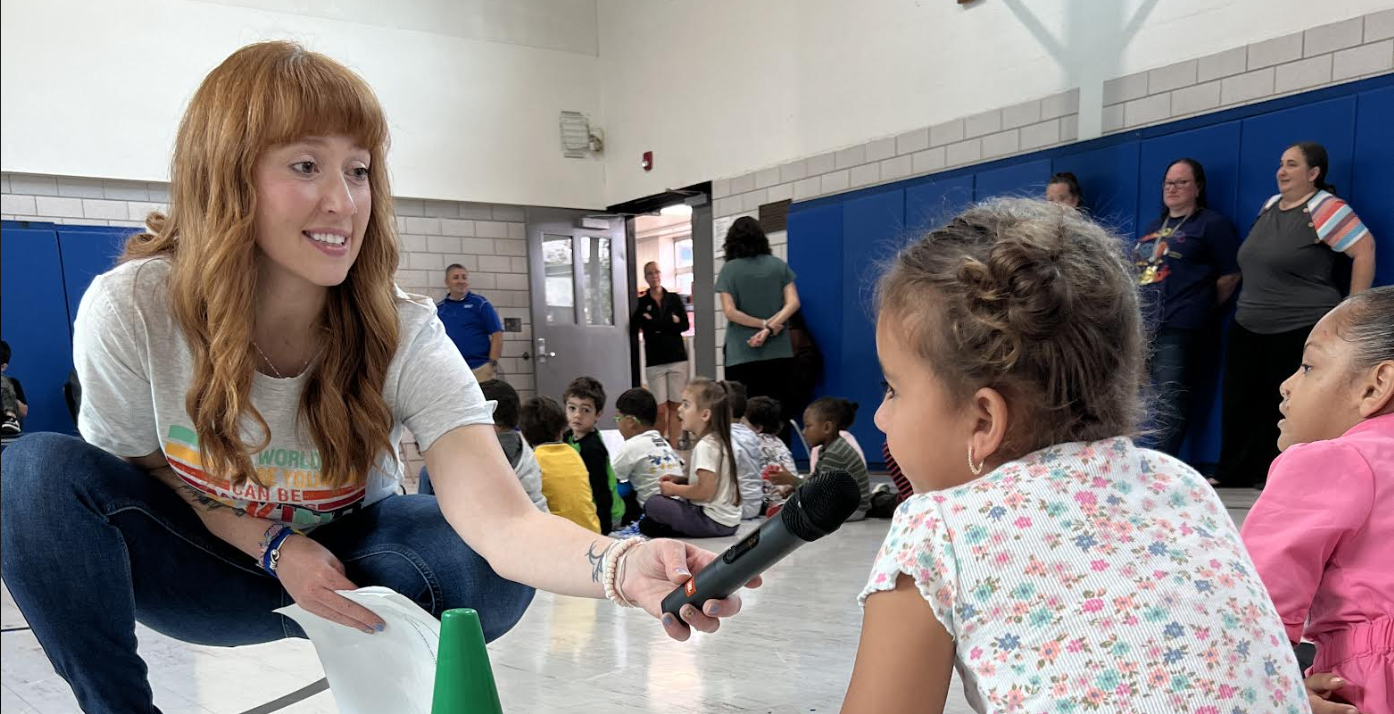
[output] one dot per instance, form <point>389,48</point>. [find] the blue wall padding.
<point>1108,178</point>
<point>1121,176</point>
<point>815,255</point>
<point>931,202</point>
<point>1020,180</point>
<point>34,315</point>
<point>88,251</point>
<point>1371,188</point>
<point>873,230</point>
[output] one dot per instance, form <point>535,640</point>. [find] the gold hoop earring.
<point>976,468</point>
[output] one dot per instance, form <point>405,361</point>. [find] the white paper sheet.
<point>389,671</point>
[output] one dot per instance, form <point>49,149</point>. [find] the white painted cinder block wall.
<point>725,88</point>
<point>471,88</point>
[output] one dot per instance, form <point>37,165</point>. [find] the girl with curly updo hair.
<point>1056,564</point>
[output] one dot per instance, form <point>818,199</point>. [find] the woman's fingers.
<point>725,607</point>
<point>351,613</point>
<point>360,617</point>
<point>322,607</point>
<point>675,628</point>
<point>702,623</point>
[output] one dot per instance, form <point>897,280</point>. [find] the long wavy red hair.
<point>266,95</point>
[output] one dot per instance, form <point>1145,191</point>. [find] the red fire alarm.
<point>647,163</point>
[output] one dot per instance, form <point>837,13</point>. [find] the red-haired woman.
<point>247,370</point>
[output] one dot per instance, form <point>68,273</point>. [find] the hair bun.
<point>1031,299</point>
<point>1019,289</point>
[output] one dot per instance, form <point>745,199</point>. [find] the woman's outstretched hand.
<point>656,568</point>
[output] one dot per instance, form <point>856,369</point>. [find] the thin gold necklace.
<point>277,372</point>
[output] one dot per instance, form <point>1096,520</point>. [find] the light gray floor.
<point>791,651</point>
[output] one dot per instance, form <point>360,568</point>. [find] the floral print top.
<point>1094,577</point>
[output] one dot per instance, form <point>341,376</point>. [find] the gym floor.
<point>790,651</point>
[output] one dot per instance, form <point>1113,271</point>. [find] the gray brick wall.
<point>488,239</point>
<point>1322,56</point>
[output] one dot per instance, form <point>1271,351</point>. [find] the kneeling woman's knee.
<point>42,466</point>
<point>502,606</point>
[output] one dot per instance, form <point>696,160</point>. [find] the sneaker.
<point>10,427</point>
<point>629,531</point>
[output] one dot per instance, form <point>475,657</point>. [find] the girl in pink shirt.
<point>1321,532</point>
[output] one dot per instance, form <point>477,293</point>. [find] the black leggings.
<point>1255,366</point>
<point>765,378</point>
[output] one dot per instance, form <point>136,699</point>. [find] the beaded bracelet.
<point>613,560</point>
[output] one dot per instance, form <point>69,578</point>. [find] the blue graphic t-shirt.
<point>1178,261</point>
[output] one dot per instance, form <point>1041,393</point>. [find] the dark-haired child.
<point>584,400</point>
<point>708,503</point>
<point>1057,565</point>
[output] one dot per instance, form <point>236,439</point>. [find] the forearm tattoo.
<point>597,560</point>
<point>193,496</point>
<point>198,498</point>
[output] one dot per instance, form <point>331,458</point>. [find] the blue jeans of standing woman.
<point>1173,372</point>
<point>93,544</point>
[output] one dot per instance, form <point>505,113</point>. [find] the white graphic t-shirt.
<point>643,460</point>
<point>135,368</point>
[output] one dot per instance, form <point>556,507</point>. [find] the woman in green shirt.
<point>758,297</point>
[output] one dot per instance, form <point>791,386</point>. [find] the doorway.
<point>578,270</point>
<point>663,250</point>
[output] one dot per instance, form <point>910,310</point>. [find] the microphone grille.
<point>821,505</point>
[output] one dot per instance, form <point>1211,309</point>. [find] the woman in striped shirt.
<point>1293,264</point>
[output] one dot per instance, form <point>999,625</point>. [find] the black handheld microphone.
<point>816,509</point>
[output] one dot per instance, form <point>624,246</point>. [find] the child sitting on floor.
<point>1057,565</point>
<point>565,482</point>
<point>515,448</point>
<point>584,399</point>
<point>764,416</point>
<point>845,414</point>
<point>746,444</point>
<point>822,421</point>
<point>1321,532</point>
<point>646,456</point>
<point>708,503</point>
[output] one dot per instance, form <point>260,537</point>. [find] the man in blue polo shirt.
<point>472,324</point>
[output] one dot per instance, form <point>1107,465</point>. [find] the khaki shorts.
<point>486,372</point>
<point>667,381</point>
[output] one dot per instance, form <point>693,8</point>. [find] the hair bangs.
<point>307,94</point>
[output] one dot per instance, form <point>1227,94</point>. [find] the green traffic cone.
<point>464,679</point>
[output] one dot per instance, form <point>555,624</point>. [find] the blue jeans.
<point>91,544</point>
<point>1172,376</point>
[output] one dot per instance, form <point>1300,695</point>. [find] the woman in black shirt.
<point>662,317</point>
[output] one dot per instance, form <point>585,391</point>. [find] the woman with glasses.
<point>1295,261</point>
<point>1186,268</point>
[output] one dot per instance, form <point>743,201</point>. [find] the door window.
<point>559,283</point>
